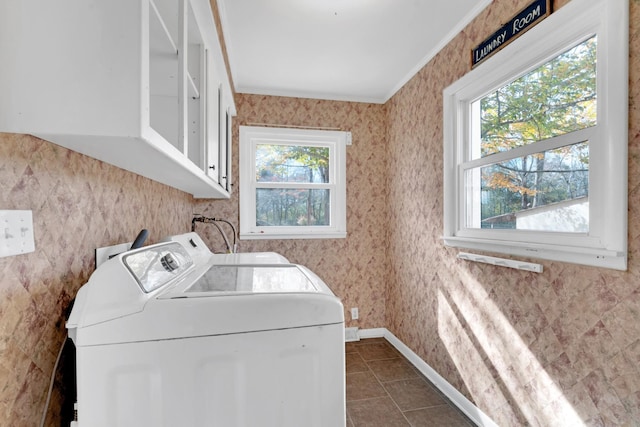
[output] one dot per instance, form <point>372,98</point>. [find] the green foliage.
<point>557,98</point>
<point>291,163</point>
<point>279,163</point>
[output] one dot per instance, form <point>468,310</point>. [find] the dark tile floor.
<point>385,390</point>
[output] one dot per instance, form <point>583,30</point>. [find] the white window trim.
<point>606,243</point>
<point>250,137</point>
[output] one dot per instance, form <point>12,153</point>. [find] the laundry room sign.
<point>518,25</point>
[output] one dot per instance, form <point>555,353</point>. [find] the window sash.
<point>326,216</point>
<point>302,185</point>
<point>331,186</point>
<point>586,134</point>
<point>331,167</point>
<point>465,210</point>
<point>254,148</point>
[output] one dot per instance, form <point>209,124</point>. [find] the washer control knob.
<point>169,262</point>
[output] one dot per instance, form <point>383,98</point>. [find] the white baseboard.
<point>351,335</point>
<point>457,398</point>
<point>356,334</point>
<point>372,333</point>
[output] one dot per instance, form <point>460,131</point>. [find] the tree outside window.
<point>557,98</point>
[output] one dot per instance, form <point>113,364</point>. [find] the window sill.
<point>578,255</point>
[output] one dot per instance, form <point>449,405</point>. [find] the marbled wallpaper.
<point>78,204</point>
<point>355,268</point>
<point>561,348</point>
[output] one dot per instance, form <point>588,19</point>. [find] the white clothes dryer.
<point>173,335</point>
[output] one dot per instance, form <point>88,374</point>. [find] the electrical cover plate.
<point>16,233</point>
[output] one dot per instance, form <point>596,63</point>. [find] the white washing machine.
<point>173,335</point>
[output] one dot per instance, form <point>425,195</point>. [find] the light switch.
<point>16,233</point>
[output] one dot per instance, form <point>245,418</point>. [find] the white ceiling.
<point>350,50</point>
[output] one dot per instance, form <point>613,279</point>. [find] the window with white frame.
<point>535,142</point>
<point>292,183</point>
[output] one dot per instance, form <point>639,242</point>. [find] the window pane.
<point>292,163</point>
<point>292,207</point>
<point>557,98</point>
<point>545,191</point>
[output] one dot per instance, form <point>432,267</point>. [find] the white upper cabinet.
<point>140,84</point>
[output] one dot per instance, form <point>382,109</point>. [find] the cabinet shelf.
<point>194,91</point>
<point>159,33</point>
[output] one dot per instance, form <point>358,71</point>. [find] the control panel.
<point>154,267</point>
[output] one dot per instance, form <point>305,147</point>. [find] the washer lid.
<point>224,280</point>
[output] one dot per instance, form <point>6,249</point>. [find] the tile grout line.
<point>446,402</point>
<point>387,394</point>
<point>381,384</point>
<point>394,402</point>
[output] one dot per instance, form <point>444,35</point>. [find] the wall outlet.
<point>16,233</point>
<point>354,313</point>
